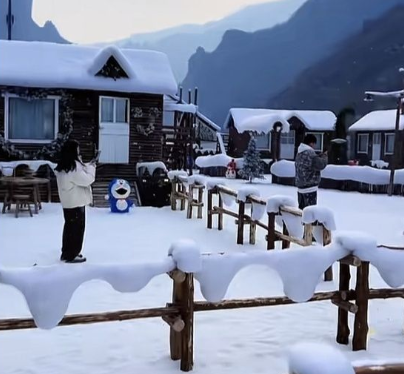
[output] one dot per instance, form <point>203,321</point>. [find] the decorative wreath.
<point>51,150</point>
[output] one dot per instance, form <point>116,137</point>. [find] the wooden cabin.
<point>278,132</point>
<point>372,138</point>
<point>106,98</point>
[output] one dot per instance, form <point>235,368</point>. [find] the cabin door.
<point>377,147</point>
<point>288,145</point>
<point>114,130</point>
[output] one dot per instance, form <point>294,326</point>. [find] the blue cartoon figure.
<point>118,196</point>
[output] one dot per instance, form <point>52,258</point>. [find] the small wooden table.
<point>14,182</point>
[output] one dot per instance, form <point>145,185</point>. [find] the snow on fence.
<point>302,228</point>
<point>48,290</point>
<point>360,174</point>
<point>324,359</point>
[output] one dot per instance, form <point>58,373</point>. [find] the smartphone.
<point>96,158</point>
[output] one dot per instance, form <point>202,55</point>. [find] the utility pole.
<point>10,19</point>
<point>399,95</point>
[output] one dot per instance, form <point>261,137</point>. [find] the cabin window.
<point>114,130</point>
<point>389,144</point>
<point>31,121</point>
<point>114,110</point>
<point>263,141</point>
<point>363,143</point>
<point>319,146</point>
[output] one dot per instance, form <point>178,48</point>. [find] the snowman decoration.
<point>118,197</point>
<point>231,170</point>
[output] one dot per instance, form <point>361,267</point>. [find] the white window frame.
<point>322,140</point>
<point>7,97</point>
<point>385,143</point>
<point>114,98</point>
<point>269,136</point>
<point>367,144</point>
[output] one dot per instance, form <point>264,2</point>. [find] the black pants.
<point>73,232</point>
<point>307,199</point>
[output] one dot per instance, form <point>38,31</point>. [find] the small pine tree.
<point>252,167</point>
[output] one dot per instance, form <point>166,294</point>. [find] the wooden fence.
<point>244,216</point>
<point>179,313</point>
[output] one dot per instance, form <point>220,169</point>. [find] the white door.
<point>377,146</point>
<point>114,130</point>
<point>288,145</point>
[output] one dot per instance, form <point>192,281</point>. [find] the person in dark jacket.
<point>308,171</point>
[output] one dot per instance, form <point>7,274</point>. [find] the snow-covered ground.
<point>239,341</point>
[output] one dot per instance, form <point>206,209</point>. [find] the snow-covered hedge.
<point>362,174</point>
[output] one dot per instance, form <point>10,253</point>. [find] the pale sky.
<point>89,21</point>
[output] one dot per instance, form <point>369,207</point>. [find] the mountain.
<point>179,43</point>
<point>24,27</point>
<point>368,61</point>
<point>248,69</point>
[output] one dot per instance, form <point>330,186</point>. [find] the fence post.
<point>220,215</point>
<point>173,195</point>
<point>210,209</point>
<point>271,237</point>
<point>240,224</point>
<point>308,234</point>
<point>183,191</point>
<point>328,275</point>
<point>285,243</point>
<point>175,336</point>
<point>253,226</point>
<point>187,314</point>
<point>362,301</point>
<point>343,327</point>
<point>200,202</point>
<point>190,201</point>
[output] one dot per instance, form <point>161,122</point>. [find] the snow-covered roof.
<point>50,65</point>
<point>263,120</point>
<point>380,120</point>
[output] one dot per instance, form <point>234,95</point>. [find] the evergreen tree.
<point>252,167</point>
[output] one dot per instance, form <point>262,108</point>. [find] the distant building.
<point>278,132</point>
<point>373,138</point>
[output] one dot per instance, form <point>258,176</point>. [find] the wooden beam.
<point>85,319</point>
<point>187,313</point>
<point>361,327</point>
<point>177,275</point>
<point>203,306</point>
<point>328,275</point>
<point>351,261</point>
<point>176,323</point>
<point>380,369</point>
<point>294,211</point>
<point>210,209</point>
<point>227,191</point>
<point>345,305</point>
<point>291,239</point>
<point>343,326</point>
<point>271,236</point>
<point>240,226</point>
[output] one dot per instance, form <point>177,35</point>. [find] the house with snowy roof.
<point>373,138</point>
<point>278,132</point>
<point>111,99</point>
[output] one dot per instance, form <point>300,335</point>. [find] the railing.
<point>183,191</point>
<point>179,313</point>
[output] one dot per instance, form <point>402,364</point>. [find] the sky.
<point>89,21</point>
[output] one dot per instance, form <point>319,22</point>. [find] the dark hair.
<point>69,155</point>
<point>310,139</point>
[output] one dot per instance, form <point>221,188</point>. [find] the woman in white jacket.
<point>74,179</point>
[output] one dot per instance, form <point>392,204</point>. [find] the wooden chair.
<point>22,202</point>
